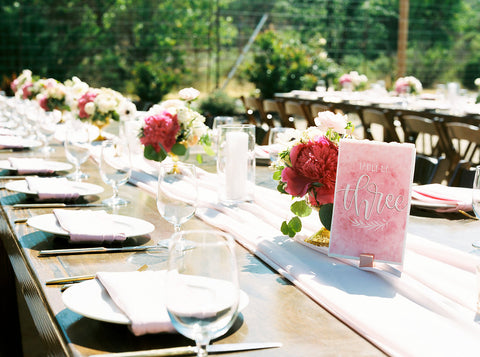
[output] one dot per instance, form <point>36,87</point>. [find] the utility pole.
<point>402,38</point>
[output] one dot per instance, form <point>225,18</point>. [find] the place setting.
<point>29,166</point>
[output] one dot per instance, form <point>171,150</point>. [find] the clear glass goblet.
<point>177,193</point>
<point>77,147</point>
<point>278,138</point>
<point>47,126</point>
<point>115,168</point>
<point>202,289</point>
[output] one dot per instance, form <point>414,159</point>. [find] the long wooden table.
<point>277,310</point>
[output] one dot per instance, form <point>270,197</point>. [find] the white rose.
<point>90,108</point>
<point>170,105</point>
<point>188,94</point>
<point>328,120</point>
<point>477,82</point>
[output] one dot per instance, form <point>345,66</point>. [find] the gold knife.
<point>191,350</point>
<point>56,205</point>
<point>67,251</point>
<point>75,279</point>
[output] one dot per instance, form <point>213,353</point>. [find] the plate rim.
<point>62,232</point>
<point>11,186</point>
<point>70,166</point>
<point>121,319</point>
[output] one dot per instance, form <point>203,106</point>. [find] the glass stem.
<point>177,227</point>
<point>115,191</point>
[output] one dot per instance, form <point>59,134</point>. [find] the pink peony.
<point>84,99</point>
<point>160,129</point>
<point>346,78</point>
<point>14,85</point>
<point>312,163</point>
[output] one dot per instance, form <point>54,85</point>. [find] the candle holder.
<point>236,163</point>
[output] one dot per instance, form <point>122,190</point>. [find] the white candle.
<point>236,156</point>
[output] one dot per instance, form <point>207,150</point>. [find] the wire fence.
<point>205,39</point>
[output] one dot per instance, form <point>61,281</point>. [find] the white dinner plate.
<point>90,299</point>
<point>431,205</point>
<point>49,165</point>
<point>18,143</point>
<point>83,188</point>
<point>131,226</point>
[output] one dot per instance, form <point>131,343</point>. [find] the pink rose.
<point>313,170</point>
<point>14,85</point>
<point>42,101</point>
<point>160,129</point>
<point>84,99</point>
<point>346,78</point>
<point>26,92</point>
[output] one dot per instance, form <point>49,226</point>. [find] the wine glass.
<point>77,147</point>
<point>177,193</point>
<point>47,126</point>
<point>115,167</point>
<point>202,289</point>
<point>476,198</point>
<point>278,137</point>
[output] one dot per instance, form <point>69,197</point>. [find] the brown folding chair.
<point>316,108</point>
<point>294,112</point>
<point>274,111</point>
<point>253,109</point>
<point>374,117</point>
<point>425,134</point>
<point>464,140</point>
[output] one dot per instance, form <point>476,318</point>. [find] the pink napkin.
<point>141,296</point>
<point>459,197</point>
<point>52,188</point>
<point>29,166</point>
<point>89,226</point>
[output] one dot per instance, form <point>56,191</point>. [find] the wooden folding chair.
<point>294,111</point>
<point>374,117</point>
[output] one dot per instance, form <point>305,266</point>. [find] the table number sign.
<point>372,200</point>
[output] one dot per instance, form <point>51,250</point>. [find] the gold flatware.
<point>78,278</point>
<point>21,220</point>
<point>96,250</point>
<point>468,215</point>
<point>192,350</point>
<point>55,205</point>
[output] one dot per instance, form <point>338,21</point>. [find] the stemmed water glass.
<point>476,198</point>
<point>177,193</point>
<point>77,147</point>
<point>202,290</point>
<point>115,168</point>
<point>47,126</point>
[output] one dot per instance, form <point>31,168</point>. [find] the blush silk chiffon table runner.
<point>428,306</point>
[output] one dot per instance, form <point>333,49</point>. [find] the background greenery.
<point>148,49</point>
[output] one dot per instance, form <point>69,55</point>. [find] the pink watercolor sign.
<point>372,200</point>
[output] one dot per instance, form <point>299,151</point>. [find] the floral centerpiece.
<point>409,84</point>
<point>101,105</point>
<point>172,127</point>
<point>51,95</point>
<point>307,169</point>
<point>24,78</point>
<point>75,89</point>
<point>353,80</point>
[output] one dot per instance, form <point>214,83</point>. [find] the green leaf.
<point>295,224</point>
<point>179,149</point>
<point>199,158</point>
<point>150,153</point>
<point>301,208</point>
<point>208,150</point>
<point>277,175</point>
<point>280,187</point>
<point>325,213</point>
<point>285,228</point>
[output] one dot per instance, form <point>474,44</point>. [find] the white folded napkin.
<point>141,296</point>
<point>52,188</point>
<point>10,142</point>
<point>29,165</point>
<point>89,226</point>
<point>459,197</point>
